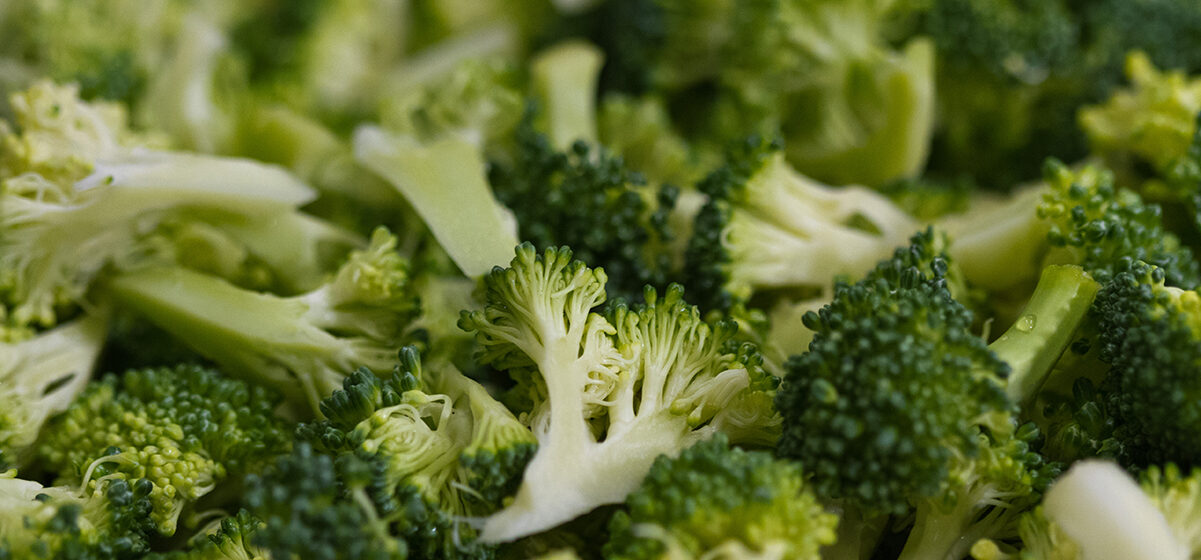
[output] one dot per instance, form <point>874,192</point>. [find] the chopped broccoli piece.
<point>898,403</point>
<point>302,346</point>
<point>315,507</point>
<point>41,377</point>
<point>446,449</point>
<point>60,522</point>
<point>184,430</point>
<point>766,226</point>
<point>589,200</point>
<point>717,500</point>
<point>653,377</point>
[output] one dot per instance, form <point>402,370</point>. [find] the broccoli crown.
<point>766,226</point>
<point>183,429</point>
<point>656,377</point>
<point>442,455</point>
<point>713,499</point>
<point>313,506</point>
<point>1151,337</point>
<point>1104,228</point>
<point>56,522</point>
<point>891,389</point>
<point>587,199</point>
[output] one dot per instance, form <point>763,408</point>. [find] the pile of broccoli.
<point>620,279</point>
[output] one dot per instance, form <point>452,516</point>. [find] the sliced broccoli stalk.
<point>445,182</point>
<point>184,429</point>
<point>301,346</point>
<point>1105,513</point>
<point>1045,328</point>
<point>716,500</point>
<point>564,79</point>
<point>42,376</point>
<point>766,226</point>
<point>653,378</point>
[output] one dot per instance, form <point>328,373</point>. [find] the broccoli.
<point>446,449</point>
<point>41,377</point>
<point>1097,511</point>
<point>655,375</point>
<point>589,200</point>
<point>897,403</point>
<point>315,507</point>
<point>1148,133</point>
<point>183,429</point>
<point>69,182</point>
<point>714,500</point>
<point>1149,338</point>
<point>766,226</point>
<point>60,522</point>
<point>301,346</point>
<point>432,149</point>
<point>852,109</point>
<point>231,539</point>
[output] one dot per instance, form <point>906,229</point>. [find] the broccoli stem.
<point>1044,328</point>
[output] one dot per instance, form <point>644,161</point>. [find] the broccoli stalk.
<point>42,376</point>
<point>564,79</point>
<point>1104,512</point>
<point>654,377</point>
<point>301,346</point>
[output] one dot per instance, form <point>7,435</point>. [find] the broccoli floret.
<point>41,376</point>
<point>653,378</point>
<point>184,429</point>
<point>111,522</point>
<point>589,200</point>
<point>302,346</point>
<point>315,507</point>
<point>766,226</point>
<point>1103,228</point>
<point>714,500</point>
<point>563,78</point>
<point>447,451</point>
<point>898,403</point>
<point>1150,337</point>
